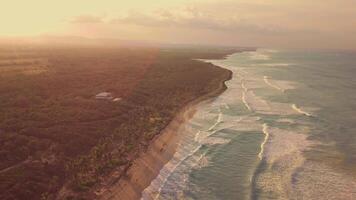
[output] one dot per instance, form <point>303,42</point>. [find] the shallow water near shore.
<point>284,129</point>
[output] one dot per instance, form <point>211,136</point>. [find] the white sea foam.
<point>256,103</point>
<point>243,71</point>
<point>218,121</point>
<point>174,174</point>
<point>203,161</point>
<point>271,50</point>
<point>226,106</point>
<point>276,64</point>
<point>256,55</point>
<point>245,102</point>
<point>243,86</point>
<point>320,181</point>
<point>284,142</point>
<point>280,149</point>
<point>215,141</point>
<point>266,79</point>
<point>265,131</point>
<point>283,155</point>
<point>299,110</point>
<point>238,74</point>
<point>282,109</point>
<point>151,193</point>
<point>197,136</point>
<point>253,82</point>
<point>244,124</point>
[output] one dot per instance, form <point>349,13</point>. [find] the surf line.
<point>245,102</point>
<point>264,130</point>
<point>245,90</point>
<point>196,138</point>
<point>158,194</point>
<point>202,160</point>
<point>243,86</point>
<point>295,107</point>
<point>265,78</point>
<point>218,121</point>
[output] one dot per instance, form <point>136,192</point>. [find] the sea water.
<point>284,129</point>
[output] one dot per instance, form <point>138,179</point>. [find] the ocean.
<point>284,129</point>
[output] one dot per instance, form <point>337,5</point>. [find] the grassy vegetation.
<point>54,133</point>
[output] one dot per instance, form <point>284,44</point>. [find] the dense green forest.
<point>54,133</point>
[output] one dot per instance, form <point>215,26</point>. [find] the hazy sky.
<point>272,23</point>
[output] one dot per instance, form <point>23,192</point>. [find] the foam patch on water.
<point>253,127</point>
<point>284,142</point>
<point>300,110</point>
<point>237,124</point>
<point>252,83</point>
<point>215,141</point>
<point>256,81</point>
<point>283,155</point>
<point>202,162</point>
<point>319,181</point>
<point>257,104</point>
<point>198,132</point>
<point>272,85</point>
<point>247,105</point>
<point>274,108</point>
<point>254,102</point>
<point>279,84</point>
<point>216,122</point>
<point>265,131</point>
<point>276,64</point>
<point>183,161</point>
<point>174,173</point>
<point>258,55</point>
<point>285,85</point>
<point>271,50</point>
<point>241,124</point>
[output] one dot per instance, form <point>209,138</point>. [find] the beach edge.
<point>147,166</point>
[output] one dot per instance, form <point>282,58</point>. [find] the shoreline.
<point>161,149</point>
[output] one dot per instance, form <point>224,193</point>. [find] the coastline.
<point>161,149</point>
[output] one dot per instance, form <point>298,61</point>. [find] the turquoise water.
<point>284,129</point>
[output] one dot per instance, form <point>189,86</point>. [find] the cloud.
<point>289,23</point>
<point>195,18</point>
<point>86,19</point>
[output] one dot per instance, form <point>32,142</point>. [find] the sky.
<point>264,23</point>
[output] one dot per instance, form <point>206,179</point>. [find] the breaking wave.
<point>281,169</point>
<point>276,64</point>
<point>245,101</point>
<point>282,157</point>
<point>259,56</point>
<point>266,79</point>
<point>265,131</point>
<point>299,110</point>
<point>218,121</point>
<point>320,181</point>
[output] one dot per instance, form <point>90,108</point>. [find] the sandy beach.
<point>145,168</point>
